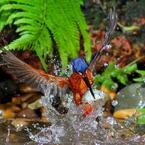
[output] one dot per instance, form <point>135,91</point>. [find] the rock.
<point>19,123</point>
<point>44,118</point>
<point>111,93</point>
<point>26,98</point>
<point>9,106</point>
<point>35,105</point>
<point>8,113</point>
<point>125,113</point>
<point>8,110</point>
<point>16,131</point>
<point>27,113</point>
<point>140,129</point>
<point>129,99</point>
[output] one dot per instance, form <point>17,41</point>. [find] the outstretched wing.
<point>47,84</point>
<point>111,28</point>
<point>108,37</point>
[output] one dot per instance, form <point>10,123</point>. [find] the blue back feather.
<point>79,65</point>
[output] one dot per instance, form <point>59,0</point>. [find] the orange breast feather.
<point>78,85</point>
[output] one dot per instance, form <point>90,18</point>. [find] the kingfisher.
<point>78,83</point>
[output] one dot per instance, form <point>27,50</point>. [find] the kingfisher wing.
<point>44,83</point>
<point>111,28</point>
<point>108,36</point>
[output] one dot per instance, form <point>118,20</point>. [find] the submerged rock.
<point>19,124</point>
<point>8,110</point>
<point>27,113</point>
<point>125,113</point>
<point>129,100</point>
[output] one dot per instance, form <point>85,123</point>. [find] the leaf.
<point>41,22</point>
<point>141,117</point>
<point>141,72</point>
<point>130,68</point>
<point>110,67</point>
<point>140,79</point>
<point>115,72</point>
<point>97,78</point>
<point>110,84</point>
<point>123,79</point>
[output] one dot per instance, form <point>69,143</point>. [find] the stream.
<point>70,129</point>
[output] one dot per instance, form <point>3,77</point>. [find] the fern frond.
<point>16,15</point>
<point>38,21</point>
<point>22,42</point>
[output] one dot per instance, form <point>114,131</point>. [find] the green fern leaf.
<point>40,21</point>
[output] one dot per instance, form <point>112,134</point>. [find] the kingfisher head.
<point>79,65</point>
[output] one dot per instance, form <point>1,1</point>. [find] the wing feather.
<point>24,73</point>
<point>107,39</point>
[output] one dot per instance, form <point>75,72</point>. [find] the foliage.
<point>134,9</point>
<point>41,22</point>
<point>141,117</point>
<point>93,13</point>
<point>113,75</point>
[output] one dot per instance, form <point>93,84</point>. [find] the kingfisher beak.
<point>85,78</point>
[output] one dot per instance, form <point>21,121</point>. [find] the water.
<point>74,129</point>
<point>71,129</point>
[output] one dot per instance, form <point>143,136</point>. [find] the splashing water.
<point>71,128</point>
<point>74,129</point>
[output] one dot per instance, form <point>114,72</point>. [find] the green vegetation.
<point>43,23</point>
<point>141,117</point>
<point>113,75</point>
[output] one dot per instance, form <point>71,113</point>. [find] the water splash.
<point>72,128</point>
<point>65,132</point>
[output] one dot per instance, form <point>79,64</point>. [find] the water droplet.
<point>114,103</point>
<point>105,64</point>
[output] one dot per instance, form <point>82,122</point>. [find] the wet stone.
<point>19,123</point>
<point>15,131</point>
<point>27,113</point>
<point>129,99</point>
<point>132,96</point>
<point>140,129</point>
<point>125,113</point>
<point>8,110</point>
<point>26,98</point>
